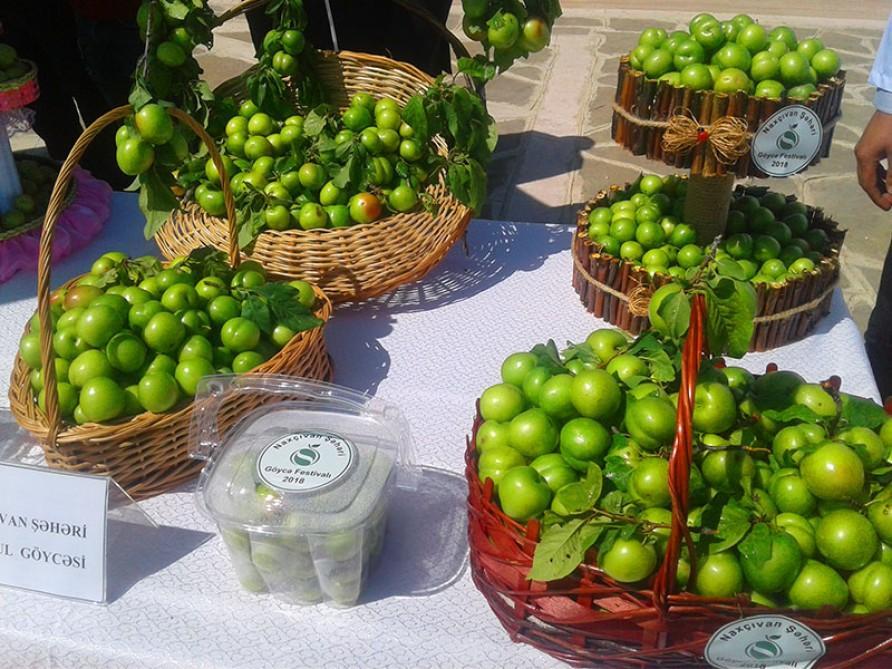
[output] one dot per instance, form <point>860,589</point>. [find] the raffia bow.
<point>727,137</point>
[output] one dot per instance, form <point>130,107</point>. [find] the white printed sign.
<point>787,141</point>
<point>764,642</point>
<point>53,531</point>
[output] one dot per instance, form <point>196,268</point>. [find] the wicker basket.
<point>643,107</point>
<point>357,262</point>
<point>21,91</point>
<point>588,619</point>
<point>37,220</point>
<point>784,313</point>
<point>148,453</point>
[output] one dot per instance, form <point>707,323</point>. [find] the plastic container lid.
<point>311,458</point>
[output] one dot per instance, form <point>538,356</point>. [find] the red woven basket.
<point>588,619</point>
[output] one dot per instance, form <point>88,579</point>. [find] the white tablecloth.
<point>431,348</point>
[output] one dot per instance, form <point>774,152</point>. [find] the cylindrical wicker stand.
<point>784,312</point>
<point>706,205</point>
<point>643,109</point>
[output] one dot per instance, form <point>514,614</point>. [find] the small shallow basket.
<point>21,91</point>
<point>37,219</point>
<point>148,453</point>
<point>590,620</point>
<point>642,108</point>
<point>357,262</point>
<point>618,292</point>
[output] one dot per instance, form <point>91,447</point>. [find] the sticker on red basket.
<point>764,642</point>
<point>305,461</point>
<point>787,141</point>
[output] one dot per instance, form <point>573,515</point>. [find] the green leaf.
<point>756,548</point>
<point>581,496</point>
<point>414,114</point>
<point>478,184</point>
<point>562,548</point>
<point>315,122</point>
<point>795,412</point>
<point>492,135</point>
<point>675,310</point>
<point>342,178</point>
<point>208,261</point>
<point>615,501</point>
<point>204,91</point>
<point>255,309</point>
<point>458,178</point>
<point>606,540</point>
<point>744,437</point>
<point>156,200</point>
<point>139,96</point>
<point>582,352</point>
<point>734,523</point>
<point>647,342</point>
<point>861,411</point>
<point>251,224</point>
<point>286,307</point>
<point>730,268</point>
<point>635,381</point>
<point>478,68</point>
<point>730,310</point>
<point>174,9</point>
<point>618,471</point>
<point>549,357</point>
<point>661,368</point>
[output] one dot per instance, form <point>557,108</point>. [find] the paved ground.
<point>553,112</point>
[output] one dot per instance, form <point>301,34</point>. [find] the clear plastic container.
<point>299,489</point>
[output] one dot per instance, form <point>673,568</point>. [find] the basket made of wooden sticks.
<point>618,291</point>
<point>589,620</point>
<point>148,453</point>
<point>643,107</point>
<point>357,262</point>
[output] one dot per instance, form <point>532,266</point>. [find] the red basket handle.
<point>681,457</point>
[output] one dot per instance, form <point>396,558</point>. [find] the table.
<point>431,348</point>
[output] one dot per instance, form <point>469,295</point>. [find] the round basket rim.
<point>14,84</point>
<point>37,221</point>
<point>358,253</point>
<point>828,265</point>
<point>820,90</point>
<point>35,421</point>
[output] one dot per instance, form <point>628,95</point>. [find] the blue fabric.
<point>881,73</point>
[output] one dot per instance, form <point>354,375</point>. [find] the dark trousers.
<point>71,86</point>
<point>373,26</point>
<point>878,338</point>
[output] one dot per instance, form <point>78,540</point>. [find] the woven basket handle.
<point>58,203</point>
<point>681,457</point>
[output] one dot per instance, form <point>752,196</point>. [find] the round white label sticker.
<point>764,642</point>
<point>787,141</point>
<point>305,461</point>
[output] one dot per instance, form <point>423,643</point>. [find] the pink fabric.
<point>78,224</point>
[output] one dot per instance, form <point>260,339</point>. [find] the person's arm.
<point>876,140</point>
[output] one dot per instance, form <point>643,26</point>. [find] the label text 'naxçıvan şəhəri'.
<point>39,525</point>
<point>768,625</point>
<point>43,526</point>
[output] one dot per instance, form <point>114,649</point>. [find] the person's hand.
<point>874,145</point>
